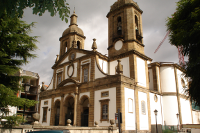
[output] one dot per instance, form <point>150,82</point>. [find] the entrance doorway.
<point>69,105</point>
<point>57,112</point>
<point>85,112</point>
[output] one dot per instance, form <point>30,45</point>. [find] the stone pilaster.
<point>75,107</point>
<point>52,119</point>
<point>61,117</point>
<point>178,97</point>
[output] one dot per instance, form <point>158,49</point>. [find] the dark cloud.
<point>92,20</point>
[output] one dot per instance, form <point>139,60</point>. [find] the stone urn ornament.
<point>36,118</point>
<point>96,124</point>
<point>68,122</point>
<point>112,122</point>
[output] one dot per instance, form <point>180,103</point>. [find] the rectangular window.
<point>44,119</point>
<point>105,94</point>
<point>85,75</point>
<point>104,109</point>
<point>85,72</point>
<point>45,102</point>
<point>59,78</point>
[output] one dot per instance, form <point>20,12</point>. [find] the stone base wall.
<point>28,128</point>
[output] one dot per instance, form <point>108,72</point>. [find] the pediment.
<point>72,56</point>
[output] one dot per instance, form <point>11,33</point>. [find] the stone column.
<point>61,117</point>
<point>75,106</point>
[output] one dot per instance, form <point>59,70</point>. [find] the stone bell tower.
<point>124,28</point>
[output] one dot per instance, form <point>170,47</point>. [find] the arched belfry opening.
<point>78,44</point>
<point>119,26</point>
<point>65,46</point>
<point>136,26</point>
<point>57,112</point>
<point>69,109</point>
<point>84,104</point>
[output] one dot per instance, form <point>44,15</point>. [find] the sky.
<point>94,23</point>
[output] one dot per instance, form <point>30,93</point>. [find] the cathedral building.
<point>88,86</point>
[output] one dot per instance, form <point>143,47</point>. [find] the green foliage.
<point>39,7</point>
<point>185,32</point>
<point>16,47</point>
<point>12,121</point>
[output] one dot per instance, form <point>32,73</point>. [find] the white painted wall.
<point>98,74</point>
<point>65,60</point>
<point>167,77</point>
<point>155,105</point>
<point>151,79</point>
<point>143,118</point>
<point>129,109</point>
<point>170,109</point>
<point>141,72</point>
<point>66,95</point>
<point>97,105</point>
<point>48,112</point>
<point>186,111</point>
<point>57,98</point>
<point>196,117</point>
<point>179,76</point>
<point>104,65</point>
<point>125,64</point>
<point>78,55</point>
<point>85,93</point>
<point>75,71</point>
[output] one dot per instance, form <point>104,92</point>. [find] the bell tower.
<point>72,37</point>
<point>124,28</point>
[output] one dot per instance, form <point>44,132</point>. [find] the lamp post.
<point>177,115</point>
<point>156,112</point>
<point>26,89</point>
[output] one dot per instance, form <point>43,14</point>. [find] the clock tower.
<point>124,28</point>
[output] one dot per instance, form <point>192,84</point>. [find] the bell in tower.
<point>124,28</point>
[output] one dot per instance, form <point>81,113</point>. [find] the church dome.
<point>72,29</point>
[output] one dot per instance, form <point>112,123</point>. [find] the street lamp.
<point>26,89</point>
<point>156,112</point>
<point>177,115</point>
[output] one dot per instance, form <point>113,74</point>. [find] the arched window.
<point>78,44</point>
<point>119,26</point>
<point>136,25</point>
<point>65,46</point>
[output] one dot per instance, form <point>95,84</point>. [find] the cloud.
<point>92,20</point>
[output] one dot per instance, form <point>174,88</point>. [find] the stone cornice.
<point>72,33</point>
<point>124,6</point>
<point>129,53</point>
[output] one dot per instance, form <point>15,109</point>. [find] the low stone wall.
<point>27,128</point>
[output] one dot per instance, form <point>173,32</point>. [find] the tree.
<point>185,32</point>
<point>39,7</point>
<point>15,50</point>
